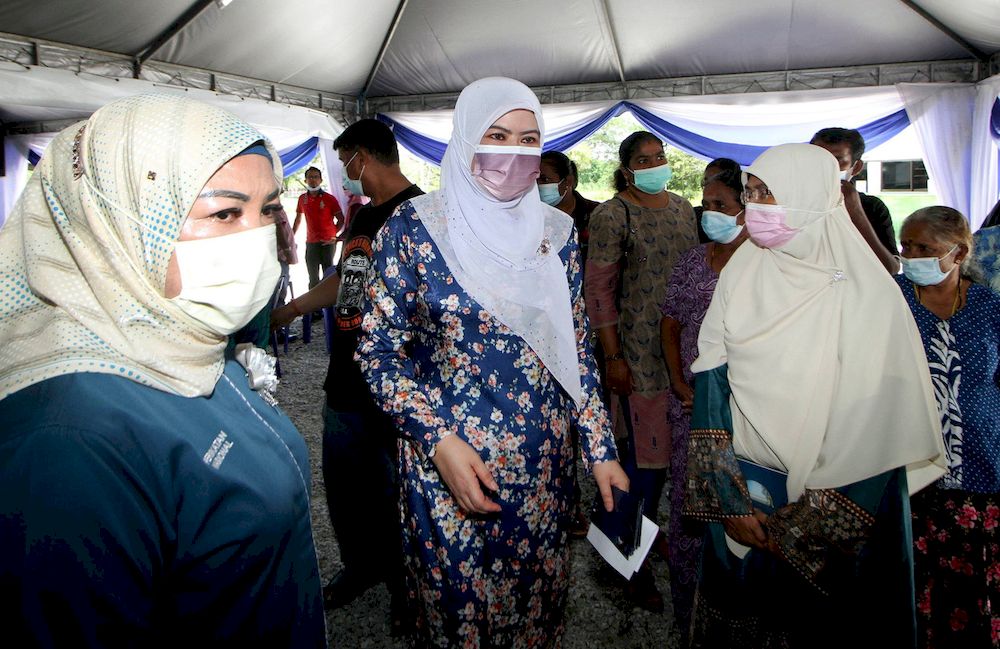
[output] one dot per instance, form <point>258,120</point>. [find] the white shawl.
<point>828,375</point>
<point>502,255</point>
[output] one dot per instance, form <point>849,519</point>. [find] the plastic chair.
<point>284,286</point>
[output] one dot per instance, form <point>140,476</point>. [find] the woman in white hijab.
<point>476,342</point>
<point>148,493</point>
<point>813,415</point>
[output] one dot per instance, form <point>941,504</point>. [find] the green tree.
<point>597,158</point>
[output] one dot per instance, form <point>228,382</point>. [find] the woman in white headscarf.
<point>813,416</point>
<point>148,493</point>
<point>476,342</point>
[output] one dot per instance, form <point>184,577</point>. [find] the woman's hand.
<point>619,377</point>
<point>748,530</point>
<point>606,475</point>
<point>684,394</point>
<point>463,470</point>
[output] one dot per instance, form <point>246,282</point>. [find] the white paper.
<point>626,566</point>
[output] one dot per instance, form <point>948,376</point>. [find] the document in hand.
<point>767,486</point>
<point>624,536</point>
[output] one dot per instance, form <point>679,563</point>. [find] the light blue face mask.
<point>926,271</point>
<point>652,180</point>
<point>549,192</point>
<point>720,228</point>
<point>350,184</point>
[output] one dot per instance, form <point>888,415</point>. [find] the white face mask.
<point>227,280</point>
<point>845,174</point>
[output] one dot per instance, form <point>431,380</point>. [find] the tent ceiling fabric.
<point>442,45</point>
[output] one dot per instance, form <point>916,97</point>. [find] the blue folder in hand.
<point>623,526</point>
<point>768,487</point>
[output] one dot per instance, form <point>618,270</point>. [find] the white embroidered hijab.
<point>83,256</point>
<point>495,249</point>
<point>828,374</point>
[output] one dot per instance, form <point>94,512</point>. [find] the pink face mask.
<point>506,172</point>
<point>766,225</point>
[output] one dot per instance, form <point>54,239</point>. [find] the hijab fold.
<point>84,254</point>
<point>505,254</point>
<point>828,374</point>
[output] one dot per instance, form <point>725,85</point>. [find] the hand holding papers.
<point>624,536</point>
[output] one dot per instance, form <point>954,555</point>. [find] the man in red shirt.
<point>323,221</point>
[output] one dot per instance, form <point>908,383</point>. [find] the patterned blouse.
<point>654,240</point>
<point>963,353</point>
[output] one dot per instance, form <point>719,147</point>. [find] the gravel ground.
<point>597,613</point>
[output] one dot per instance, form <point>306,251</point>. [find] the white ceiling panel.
<point>443,45</point>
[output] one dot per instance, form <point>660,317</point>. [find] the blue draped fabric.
<point>297,157</point>
<point>425,148</point>
<point>693,143</point>
<point>570,139</point>
<point>875,133</point>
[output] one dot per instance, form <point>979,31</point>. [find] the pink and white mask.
<point>767,226</point>
<point>506,172</point>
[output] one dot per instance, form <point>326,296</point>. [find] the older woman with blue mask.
<point>150,489</point>
<point>476,343</point>
<point>955,521</point>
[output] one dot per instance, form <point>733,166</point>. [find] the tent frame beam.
<point>616,54</point>
<point>81,60</point>
<point>168,34</point>
<point>382,50</point>
<point>958,70</point>
<point>983,57</point>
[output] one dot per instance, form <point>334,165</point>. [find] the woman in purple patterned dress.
<point>689,293</point>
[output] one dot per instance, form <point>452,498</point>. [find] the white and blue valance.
<point>730,126</point>
<point>957,126</point>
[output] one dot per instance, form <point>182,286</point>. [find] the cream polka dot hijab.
<point>83,256</point>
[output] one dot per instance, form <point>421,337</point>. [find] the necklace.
<point>954,305</point>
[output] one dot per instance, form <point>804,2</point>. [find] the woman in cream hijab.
<point>476,342</point>
<point>813,417</point>
<point>148,493</point>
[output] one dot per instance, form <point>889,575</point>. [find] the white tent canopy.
<point>345,59</point>
<point>439,46</point>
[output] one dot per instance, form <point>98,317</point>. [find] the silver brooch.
<point>544,248</point>
<point>837,277</point>
<point>77,157</point>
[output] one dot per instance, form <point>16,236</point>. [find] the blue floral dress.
<point>441,365</point>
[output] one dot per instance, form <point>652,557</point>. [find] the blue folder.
<point>768,487</point>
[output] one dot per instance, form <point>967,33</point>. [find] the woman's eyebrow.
<point>225,193</point>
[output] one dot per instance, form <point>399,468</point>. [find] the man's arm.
<point>852,201</point>
<point>322,295</point>
<point>298,216</point>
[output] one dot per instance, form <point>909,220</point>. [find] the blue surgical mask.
<point>350,184</point>
<point>652,180</point>
<point>720,228</point>
<point>926,271</point>
<point>549,192</point>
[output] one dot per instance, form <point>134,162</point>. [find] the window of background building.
<point>904,176</point>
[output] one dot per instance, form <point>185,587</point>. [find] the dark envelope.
<point>623,526</point>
